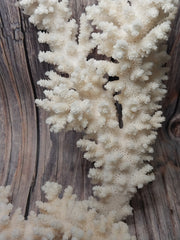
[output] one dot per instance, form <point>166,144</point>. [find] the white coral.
<point>80,97</point>
<point>64,219</point>
<point>80,102</point>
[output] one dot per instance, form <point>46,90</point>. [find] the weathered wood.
<point>30,155</point>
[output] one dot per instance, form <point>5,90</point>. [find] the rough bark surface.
<point>30,155</point>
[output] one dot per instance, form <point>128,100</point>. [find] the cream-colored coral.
<point>66,219</point>
<point>84,93</point>
<point>133,45</point>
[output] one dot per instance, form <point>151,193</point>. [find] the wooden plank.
<point>30,155</point>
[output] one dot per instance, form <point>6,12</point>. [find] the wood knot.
<point>174,127</point>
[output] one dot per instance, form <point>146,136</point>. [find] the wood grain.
<point>30,155</point>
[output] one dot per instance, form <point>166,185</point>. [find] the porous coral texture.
<point>66,219</point>
<point>83,94</point>
<point>83,99</point>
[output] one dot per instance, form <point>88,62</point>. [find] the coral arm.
<point>84,100</point>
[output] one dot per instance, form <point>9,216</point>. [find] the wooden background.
<point>30,155</point>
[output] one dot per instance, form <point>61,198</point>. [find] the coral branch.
<point>64,219</point>
<point>83,93</point>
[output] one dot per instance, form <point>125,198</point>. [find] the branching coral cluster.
<point>65,219</point>
<point>83,94</point>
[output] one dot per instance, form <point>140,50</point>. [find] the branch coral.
<point>83,94</point>
<point>64,219</point>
